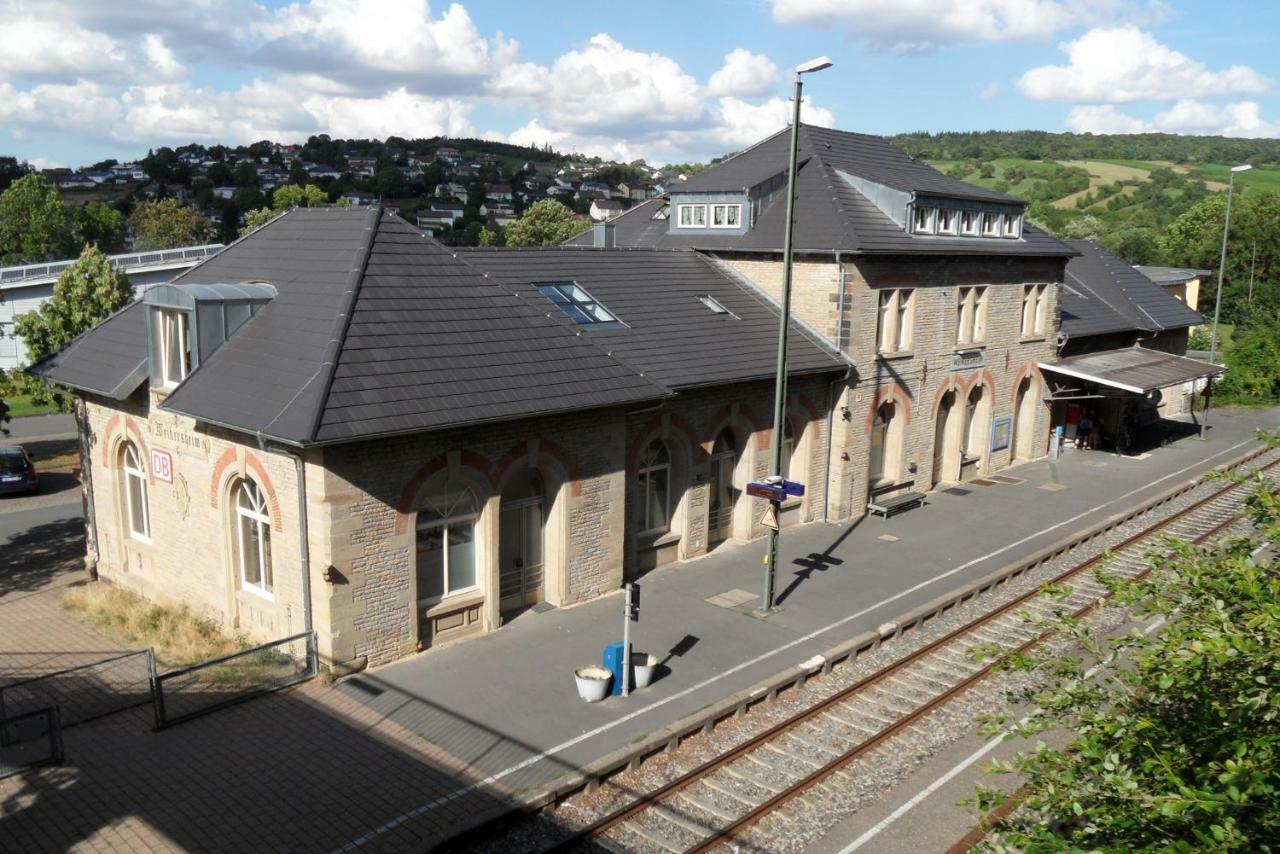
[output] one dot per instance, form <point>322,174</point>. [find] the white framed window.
<point>134,490</point>
<point>654,485</point>
<point>692,216</point>
<point>971,315</point>
<point>922,219</point>
<point>991,224</point>
<point>1012,225</point>
<point>969,223</point>
<point>726,216</point>
<point>446,543</point>
<point>897,321</point>
<point>173,333</point>
<point>253,537</point>
<point>1035,300</point>
<point>947,220</point>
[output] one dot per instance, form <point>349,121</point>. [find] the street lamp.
<point>1217,303</point>
<point>780,383</point>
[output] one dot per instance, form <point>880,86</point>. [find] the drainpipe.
<point>831,432</point>
<point>304,544</point>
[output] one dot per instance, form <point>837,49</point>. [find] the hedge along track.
<point>714,803</point>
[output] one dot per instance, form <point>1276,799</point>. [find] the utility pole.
<point>1252,266</point>
<point>1217,305</point>
<point>780,382</point>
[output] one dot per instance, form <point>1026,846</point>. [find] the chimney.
<point>603,235</point>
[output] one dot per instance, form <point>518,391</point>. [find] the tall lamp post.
<point>1217,303</point>
<point>780,383</point>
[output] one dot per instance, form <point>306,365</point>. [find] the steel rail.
<point>705,769</point>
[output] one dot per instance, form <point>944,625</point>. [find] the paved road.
<point>42,426</point>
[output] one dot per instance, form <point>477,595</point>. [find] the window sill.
<point>139,539</point>
<point>896,355</point>
<point>657,539</point>
<point>969,348</point>
<point>453,602</point>
<point>1033,339</point>
<point>257,592</point>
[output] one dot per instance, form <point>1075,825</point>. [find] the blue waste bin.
<point>613,660</point>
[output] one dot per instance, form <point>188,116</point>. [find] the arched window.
<point>788,447</point>
<point>446,538</point>
<point>134,490</point>
<point>881,460</point>
<point>654,492</point>
<point>253,536</point>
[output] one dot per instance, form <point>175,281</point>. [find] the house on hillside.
<point>921,280</point>
<point>602,209</point>
<point>404,479</point>
<point>1182,283</point>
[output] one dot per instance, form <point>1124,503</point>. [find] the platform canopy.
<point>1133,369</point>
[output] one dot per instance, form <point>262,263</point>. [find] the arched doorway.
<point>723,491</point>
<point>1024,422</point>
<point>946,406</point>
<point>977,428</point>
<point>521,547</point>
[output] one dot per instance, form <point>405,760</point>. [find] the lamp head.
<point>814,65</point>
<point>1242,168</point>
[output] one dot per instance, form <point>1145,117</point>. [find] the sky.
<point>84,80</point>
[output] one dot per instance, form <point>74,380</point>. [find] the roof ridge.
<point>341,323</point>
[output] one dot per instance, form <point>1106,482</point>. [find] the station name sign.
<point>775,489</point>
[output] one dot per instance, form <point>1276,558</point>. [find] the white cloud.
<point>160,60</point>
<point>990,91</point>
<point>915,26</point>
<point>78,106</point>
<point>1241,119</point>
<point>48,49</point>
<point>46,163</point>
<point>743,73</point>
<point>1115,65</point>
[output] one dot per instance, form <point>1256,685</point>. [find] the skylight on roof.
<point>715,305</point>
<point>580,305</point>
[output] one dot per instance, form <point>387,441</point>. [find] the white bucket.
<point>644,664</point>
<point>593,682</point>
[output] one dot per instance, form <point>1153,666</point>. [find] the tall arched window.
<point>253,536</point>
<point>654,488</point>
<point>133,488</point>
<point>446,542</point>
<point>881,465</point>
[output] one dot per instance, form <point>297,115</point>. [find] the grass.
<point>178,635</point>
<point>1261,178</point>
<point>20,405</point>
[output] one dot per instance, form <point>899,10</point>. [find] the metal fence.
<point>87,691</point>
<point>181,695</point>
<point>126,262</point>
<point>29,739</point>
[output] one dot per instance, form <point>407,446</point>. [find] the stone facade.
<point>363,501</point>
<point>839,297</point>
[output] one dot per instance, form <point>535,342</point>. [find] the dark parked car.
<point>17,472</point>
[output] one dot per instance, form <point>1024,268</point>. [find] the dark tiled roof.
<point>375,330</point>
<point>671,336</point>
<point>109,360</point>
<point>1102,293</point>
<point>831,214</point>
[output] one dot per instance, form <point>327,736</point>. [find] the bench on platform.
<point>886,504</point>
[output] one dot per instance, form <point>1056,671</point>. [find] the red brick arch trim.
<point>547,448</point>
<point>694,452</point>
<point>962,385</point>
<point>108,433</point>
<point>898,395</point>
<point>131,430</point>
<point>1029,369</point>
<point>805,401</point>
<point>219,481</point>
<point>950,383</point>
<point>405,506</point>
<point>724,418</point>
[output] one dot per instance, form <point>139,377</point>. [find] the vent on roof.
<point>580,305</point>
<point>714,304</point>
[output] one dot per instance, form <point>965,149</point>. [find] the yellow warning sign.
<point>770,518</point>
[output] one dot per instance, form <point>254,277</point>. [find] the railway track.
<point>716,803</point>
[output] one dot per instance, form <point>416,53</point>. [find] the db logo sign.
<point>162,466</point>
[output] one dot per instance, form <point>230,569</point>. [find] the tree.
<point>389,182</point>
<point>1176,748</point>
<point>293,196</point>
<point>167,224</point>
<point>1253,367</point>
<point>545,223</point>
<point>11,170</point>
<point>34,223</point>
<point>256,219</point>
<point>493,235</point>
<point>100,225</point>
<point>87,292</point>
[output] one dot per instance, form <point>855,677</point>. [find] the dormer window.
<point>173,335</point>
<point>947,221</point>
<point>991,225</point>
<point>693,216</point>
<point>1012,226</point>
<point>969,223</point>
<point>922,220</point>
